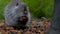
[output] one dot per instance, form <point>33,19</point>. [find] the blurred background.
<point>38,8</point>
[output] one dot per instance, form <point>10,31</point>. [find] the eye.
<point>17,4</point>
<point>25,9</point>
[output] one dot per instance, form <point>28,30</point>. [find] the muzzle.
<point>22,20</point>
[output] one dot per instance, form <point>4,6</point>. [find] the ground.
<point>38,26</point>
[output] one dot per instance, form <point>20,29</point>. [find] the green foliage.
<point>38,8</point>
<point>3,3</point>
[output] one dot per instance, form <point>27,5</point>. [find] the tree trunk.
<point>55,22</point>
